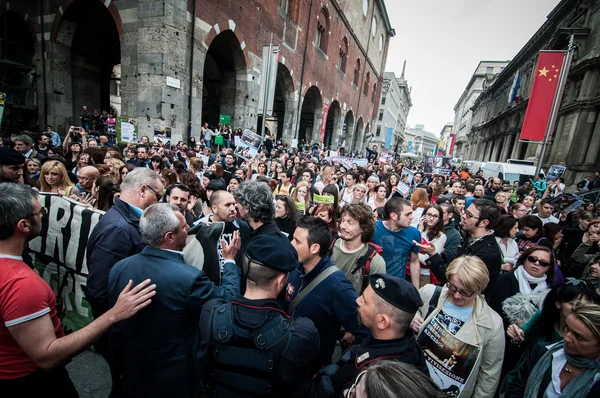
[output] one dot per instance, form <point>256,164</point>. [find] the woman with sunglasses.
<point>569,368</point>
<point>531,280</point>
<point>461,309</point>
<point>546,325</point>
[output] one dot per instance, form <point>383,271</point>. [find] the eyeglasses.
<point>454,289</point>
<point>351,393</point>
<point>43,211</point>
<point>434,216</point>
<point>158,195</point>
<point>468,214</point>
<point>533,259</point>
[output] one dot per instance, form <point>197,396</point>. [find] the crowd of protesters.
<point>211,274</point>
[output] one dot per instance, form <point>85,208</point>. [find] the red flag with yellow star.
<point>543,91</point>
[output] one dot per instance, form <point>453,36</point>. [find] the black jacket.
<point>517,387</point>
<point>505,286</point>
<point>334,379</point>
<point>486,249</point>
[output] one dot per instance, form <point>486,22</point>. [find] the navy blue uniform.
<point>331,305</point>
<point>252,348</point>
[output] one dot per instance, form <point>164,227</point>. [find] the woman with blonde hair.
<point>115,168</point>
<point>372,184</point>
<point>419,201</point>
<point>301,197</point>
<point>358,193</point>
<point>54,178</point>
<point>460,308</point>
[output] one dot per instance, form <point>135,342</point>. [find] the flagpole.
<point>267,88</point>
<point>562,81</point>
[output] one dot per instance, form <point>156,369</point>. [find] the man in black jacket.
<point>478,221</point>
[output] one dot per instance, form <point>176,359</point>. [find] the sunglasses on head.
<point>533,259</point>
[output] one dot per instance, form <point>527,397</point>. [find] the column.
<point>585,130</point>
<point>557,141</point>
<point>516,148</point>
<point>506,147</point>
<point>594,147</point>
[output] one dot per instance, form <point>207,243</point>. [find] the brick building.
<point>331,56</point>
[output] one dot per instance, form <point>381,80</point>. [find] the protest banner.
<point>449,359</point>
<point>127,129</point>
<point>59,254</point>
<point>406,180</point>
<point>346,161</point>
<point>555,172</point>
<point>248,145</point>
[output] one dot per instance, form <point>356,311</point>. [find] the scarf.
<point>577,388</point>
<point>525,279</point>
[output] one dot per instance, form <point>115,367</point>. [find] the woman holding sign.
<point>461,336</point>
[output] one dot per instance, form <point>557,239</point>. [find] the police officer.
<point>250,346</point>
<point>386,308</point>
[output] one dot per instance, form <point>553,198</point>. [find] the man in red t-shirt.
<point>33,347</point>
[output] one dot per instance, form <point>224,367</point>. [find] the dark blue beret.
<point>396,291</point>
<point>274,251</point>
<point>10,157</point>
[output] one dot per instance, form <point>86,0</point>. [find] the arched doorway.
<point>332,126</point>
<point>18,82</point>
<point>222,93</point>
<point>90,30</point>
<point>348,131</point>
<point>283,105</point>
<point>310,115</point>
<point>358,135</point>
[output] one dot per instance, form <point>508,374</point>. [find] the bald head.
<point>220,196</point>
<point>87,176</point>
<point>496,183</point>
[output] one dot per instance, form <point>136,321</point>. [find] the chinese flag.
<point>544,87</point>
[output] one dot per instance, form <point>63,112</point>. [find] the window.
<point>283,7</point>
<point>374,26</point>
<point>380,116</point>
<point>489,69</point>
<point>323,30</point>
<point>378,131</point>
<point>380,42</point>
<point>374,94</point>
<point>343,55</point>
<point>356,72</point>
<point>365,7</point>
<point>383,100</point>
<point>367,84</point>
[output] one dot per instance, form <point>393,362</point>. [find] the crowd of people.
<point>215,275</point>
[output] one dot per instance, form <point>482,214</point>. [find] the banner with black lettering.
<point>449,359</point>
<point>58,254</point>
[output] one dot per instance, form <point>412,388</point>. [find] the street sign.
<point>224,119</point>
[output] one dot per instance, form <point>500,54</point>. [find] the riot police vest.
<point>245,362</point>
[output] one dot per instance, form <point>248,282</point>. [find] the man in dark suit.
<point>156,348</point>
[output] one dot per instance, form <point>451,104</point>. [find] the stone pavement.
<point>90,374</point>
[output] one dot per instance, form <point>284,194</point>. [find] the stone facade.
<point>445,139</point>
<point>575,142</point>
<point>419,141</point>
<point>484,74</point>
<point>394,106</point>
<point>181,66</point>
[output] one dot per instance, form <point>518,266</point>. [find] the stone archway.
<point>223,93</point>
<point>283,105</point>
<point>358,135</point>
<point>311,115</point>
<point>87,43</point>
<point>333,126</point>
<point>18,82</point>
<point>348,131</point>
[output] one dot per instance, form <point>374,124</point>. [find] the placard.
<point>406,180</point>
<point>248,145</point>
<point>443,165</point>
<point>59,254</point>
<point>224,119</point>
<point>327,199</point>
<point>127,129</point>
<point>162,134</point>
<point>555,172</point>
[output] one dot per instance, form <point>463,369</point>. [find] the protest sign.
<point>429,164</point>
<point>450,360</point>
<point>327,199</point>
<point>162,134</point>
<point>59,254</point>
<point>406,180</point>
<point>555,172</point>
<point>443,165</point>
<point>248,145</point>
<point>346,161</point>
<point>127,129</point>
<point>386,157</point>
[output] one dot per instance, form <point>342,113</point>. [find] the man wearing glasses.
<point>261,350</point>
<point>478,221</point>
<point>33,346</point>
<point>115,237</point>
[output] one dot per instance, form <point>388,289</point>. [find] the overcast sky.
<point>444,40</point>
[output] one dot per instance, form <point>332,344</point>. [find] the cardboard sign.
<point>248,145</point>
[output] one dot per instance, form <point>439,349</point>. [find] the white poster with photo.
<point>406,180</point>
<point>248,145</point>
<point>449,359</point>
<point>443,165</point>
<point>555,172</point>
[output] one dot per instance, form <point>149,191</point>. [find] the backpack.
<point>363,263</point>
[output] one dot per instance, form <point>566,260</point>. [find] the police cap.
<point>10,157</point>
<point>396,291</point>
<point>273,251</point>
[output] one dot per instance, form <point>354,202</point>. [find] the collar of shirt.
<point>174,251</point>
<point>137,210</point>
<point>28,154</point>
<point>11,257</point>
